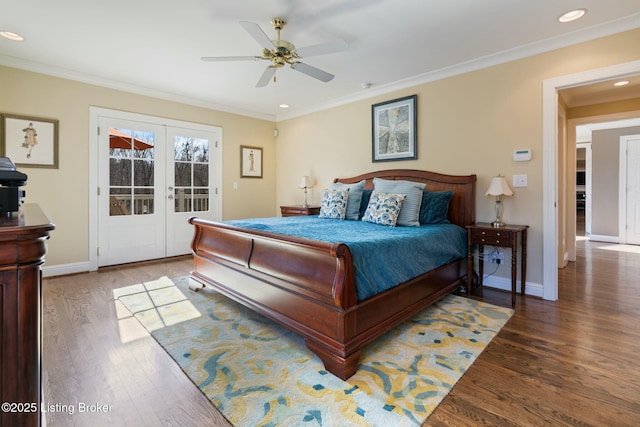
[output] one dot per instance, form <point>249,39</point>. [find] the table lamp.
<point>305,183</point>
<point>499,187</point>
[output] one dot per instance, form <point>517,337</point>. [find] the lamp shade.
<point>499,187</point>
<point>305,182</point>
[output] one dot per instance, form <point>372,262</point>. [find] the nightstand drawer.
<point>490,237</point>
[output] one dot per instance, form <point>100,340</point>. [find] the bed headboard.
<point>462,207</point>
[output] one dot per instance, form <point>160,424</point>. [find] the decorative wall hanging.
<point>29,141</point>
<point>394,129</point>
<point>250,162</point>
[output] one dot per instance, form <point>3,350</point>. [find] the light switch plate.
<point>520,181</point>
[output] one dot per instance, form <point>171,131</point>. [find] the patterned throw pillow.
<point>383,208</point>
<point>334,204</point>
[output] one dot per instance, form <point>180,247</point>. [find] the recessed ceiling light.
<point>284,105</point>
<point>572,15</point>
<point>621,83</point>
<point>11,36</point>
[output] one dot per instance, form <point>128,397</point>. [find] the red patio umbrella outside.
<point>119,139</point>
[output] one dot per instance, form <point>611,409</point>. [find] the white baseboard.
<point>602,238</point>
<point>502,283</point>
<point>64,269</point>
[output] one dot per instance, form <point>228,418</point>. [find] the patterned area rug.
<point>260,374</point>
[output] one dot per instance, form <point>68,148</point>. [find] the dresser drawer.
<point>490,236</point>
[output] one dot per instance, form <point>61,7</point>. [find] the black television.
<point>581,178</point>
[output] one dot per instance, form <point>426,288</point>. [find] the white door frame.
<point>94,114</point>
<point>550,89</point>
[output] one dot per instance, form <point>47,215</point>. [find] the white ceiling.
<point>154,46</point>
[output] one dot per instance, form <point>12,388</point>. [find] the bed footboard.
<point>305,285</point>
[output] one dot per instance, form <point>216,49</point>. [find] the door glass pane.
<point>183,148</point>
<point>119,201</point>
<point>201,150</point>
<point>201,199</point>
<point>143,173</point>
<point>182,174</point>
<point>201,175</point>
<point>183,200</point>
<point>119,171</point>
<point>143,201</point>
<point>131,171</point>
<point>191,169</point>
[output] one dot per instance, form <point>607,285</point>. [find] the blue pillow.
<point>366,195</point>
<point>435,207</point>
<point>410,212</point>
<point>354,199</point>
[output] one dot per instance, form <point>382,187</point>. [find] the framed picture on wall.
<point>29,141</point>
<point>394,129</point>
<point>250,162</point>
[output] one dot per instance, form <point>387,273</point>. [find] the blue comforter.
<point>383,256</point>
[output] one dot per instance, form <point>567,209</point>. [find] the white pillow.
<point>410,213</point>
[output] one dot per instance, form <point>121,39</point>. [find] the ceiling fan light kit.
<point>282,52</point>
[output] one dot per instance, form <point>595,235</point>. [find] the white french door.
<point>190,172</point>
<point>151,179</point>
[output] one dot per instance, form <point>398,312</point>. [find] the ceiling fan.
<point>281,52</point>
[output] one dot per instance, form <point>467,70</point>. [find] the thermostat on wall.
<point>523,155</point>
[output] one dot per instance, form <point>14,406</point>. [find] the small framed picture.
<point>250,162</point>
<point>29,141</point>
<point>394,129</point>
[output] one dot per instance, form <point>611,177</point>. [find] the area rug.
<point>260,374</point>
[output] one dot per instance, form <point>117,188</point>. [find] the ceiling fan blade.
<point>314,72</point>
<point>257,33</point>
<point>230,58</point>
<point>322,49</point>
<point>266,76</point>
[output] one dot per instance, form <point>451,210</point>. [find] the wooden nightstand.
<point>299,210</point>
<point>505,237</point>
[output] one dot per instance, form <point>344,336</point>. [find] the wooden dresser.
<point>22,251</point>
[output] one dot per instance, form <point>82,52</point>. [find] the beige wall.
<point>470,123</point>
<point>63,193</point>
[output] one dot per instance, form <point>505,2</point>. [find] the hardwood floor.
<point>85,360</point>
<point>570,362</point>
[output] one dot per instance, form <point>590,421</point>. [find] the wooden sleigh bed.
<point>308,286</point>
